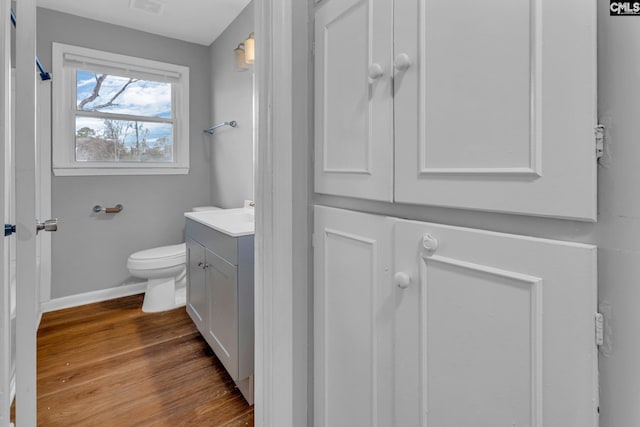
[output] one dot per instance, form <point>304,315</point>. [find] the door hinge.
<point>599,131</point>
<point>599,329</point>
<point>9,229</point>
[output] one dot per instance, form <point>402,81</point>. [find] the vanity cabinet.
<point>480,105</point>
<point>220,298</point>
<point>197,300</point>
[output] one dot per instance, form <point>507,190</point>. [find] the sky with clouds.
<point>141,98</point>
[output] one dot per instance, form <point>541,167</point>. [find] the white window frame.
<point>66,60</point>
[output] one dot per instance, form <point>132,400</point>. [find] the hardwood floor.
<point>110,364</point>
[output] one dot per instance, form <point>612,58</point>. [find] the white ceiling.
<point>196,21</point>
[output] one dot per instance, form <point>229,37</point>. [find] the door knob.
<point>48,225</point>
<point>402,62</point>
<point>402,280</point>
<point>375,72</point>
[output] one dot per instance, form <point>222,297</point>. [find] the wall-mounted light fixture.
<point>241,61</point>
<point>249,47</point>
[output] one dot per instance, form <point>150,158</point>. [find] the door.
<point>27,305</point>
<point>420,324</point>
<point>197,302</point>
<point>222,329</point>
<point>6,346</point>
<point>493,329</point>
<point>353,319</point>
<point>354,106</point>
<point>495,106</point>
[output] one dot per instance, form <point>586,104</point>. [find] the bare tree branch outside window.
<point>118,139</point>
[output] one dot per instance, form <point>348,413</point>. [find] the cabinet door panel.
<point>499,325</point>
<point>197,302</point>
<point>489,117</point>
<point>353,309</point>
<point>354,134</point>
<point>223,311</point>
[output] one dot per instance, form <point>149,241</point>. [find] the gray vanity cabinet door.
<point>222,332</point>
<point>196,284</point>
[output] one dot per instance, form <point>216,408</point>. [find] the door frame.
<point>283,236</point>
<point>43,187</point>
<point>5,296</point>
<point>282,309</point>
<point>27,304</point>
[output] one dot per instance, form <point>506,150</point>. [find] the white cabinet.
<point>422,324</point>
<point>220,298</point>
<point>354,129</point>
<point>485,105</point>
<point>353,336</point>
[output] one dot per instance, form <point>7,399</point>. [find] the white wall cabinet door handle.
<point>402,280</point>
<point>429,242</point>
<point>375,72</point>
<point>402,62</point>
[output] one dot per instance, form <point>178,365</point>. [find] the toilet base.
<point>181,296</point>
<point>160,295</point>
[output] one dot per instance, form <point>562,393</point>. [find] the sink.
<point>232,222</point>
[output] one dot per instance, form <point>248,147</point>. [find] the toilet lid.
<point>163,256</point>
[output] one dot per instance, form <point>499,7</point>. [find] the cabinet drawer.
<point>226,247</point>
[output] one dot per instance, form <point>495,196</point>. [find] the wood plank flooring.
<point>110,364</point>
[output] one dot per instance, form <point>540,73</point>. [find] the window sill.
<point>58,171</point>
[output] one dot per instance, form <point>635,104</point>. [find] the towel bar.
<point>232,123</point>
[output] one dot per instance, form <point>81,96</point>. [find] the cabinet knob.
<point>402,280</point>
<point>402,62</point>
<point>429,242</point>
<point>375,72</point>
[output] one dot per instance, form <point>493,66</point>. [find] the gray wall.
<point>232,99</point>
<point>617,232</point>
<point>90,251</point>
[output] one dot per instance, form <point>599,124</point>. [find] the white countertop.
<point>232,222</point>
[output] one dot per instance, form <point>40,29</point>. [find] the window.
<point>118,115</point>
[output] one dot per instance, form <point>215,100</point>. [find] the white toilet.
<point>165,270</point>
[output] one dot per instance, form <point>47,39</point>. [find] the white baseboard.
<point>91,297</point>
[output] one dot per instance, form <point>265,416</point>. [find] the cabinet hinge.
<point>599,329</point>
<point>599,131</point>
<point>313,49</point>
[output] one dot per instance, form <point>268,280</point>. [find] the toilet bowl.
<point>164,269</point>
